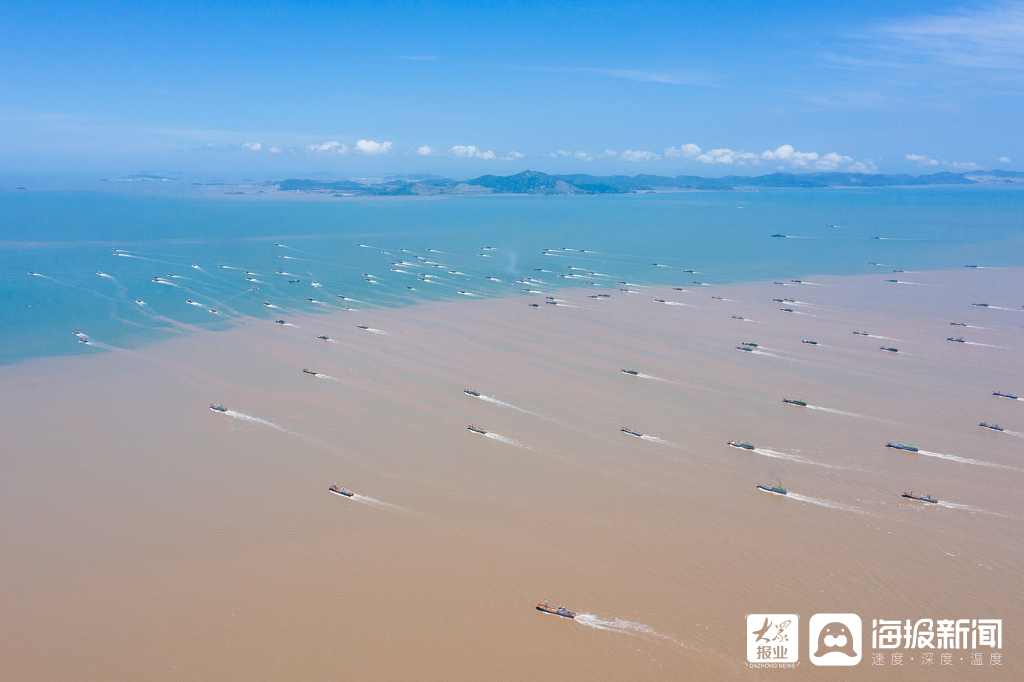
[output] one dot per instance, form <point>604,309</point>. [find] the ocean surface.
<point>146,536</point>
<point>133,268</point>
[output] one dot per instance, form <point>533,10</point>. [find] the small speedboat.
<point>631,372</point>
<point>901,446</point>
<point>476,429</point>
<point>889,349</point>
<point>799,403</point>
<point>861,334</point>
<point>894,281</point>
<point>777,489</point>
<point>309,371</point>
<point>737,317</point>
<point>924,498</point>
<point>994,427</point>
<point>560,611</point>
<point>533,305</point>
<point>778,235</point>
<point>475,394</point>
<point>980,305</point>
<point>813,343</point>
<point>738,444</point>
<point>749,343</point>
<point>659,300</point>
<point>632,432</point>
<point>280,322</point>
<point>341,491</point>
<point>362,326</point>
<point>958,339</point>
<point>323,336</point>
<point>1005,395</point>
<point>746,348</point>
<point>218,408</point>
<point>786,310</point>
<point>959,324</point>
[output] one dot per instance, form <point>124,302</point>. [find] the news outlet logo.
<point>834,639</point>
<point>772,638</point>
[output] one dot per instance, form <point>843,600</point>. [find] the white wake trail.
<point>623,626</point>
<point>968,507</point>
<point>504,404</point>
<point>967,460</point>
<point>356,497</point>
<point>505,439</point>
<point>847,414</point>
<point>793,458</point>
<point>249,418</point>
<point>826,503</point>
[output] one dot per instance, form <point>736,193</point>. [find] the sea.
<point>125,266</point>
<point>608,348</point>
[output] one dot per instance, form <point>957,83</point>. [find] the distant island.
<point>533,182</point>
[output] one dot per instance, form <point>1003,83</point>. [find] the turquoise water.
<point>66,238</point>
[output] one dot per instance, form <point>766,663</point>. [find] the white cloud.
<point>252,146</point>
<point>831,161</point>
<point>687,151</point>
<point>275,150</point>
<point>921,160</point>
<point>608,154</point>
<point>371,148</point>
<point>865,166</point>
<point>962,165</point>
<point>513,156</point>
<point>425,150</point>
<point>729,156</point>
<point>630,155</point>
<point>469,151</point>
<point>790,155</point>
<point>584,156</point>
<point>560,152</point>
<point>1003,159</point>
<point>332,147</point>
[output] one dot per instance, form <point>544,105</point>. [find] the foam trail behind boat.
<point>356,497</point>
<point>504,404</point>
<point>623,626</point>
<point>966,507</point>
<point>257,420</point>
<point>825,503</point>
<point>968,460</point>
<point>505,439</point>
<point>793,458</point>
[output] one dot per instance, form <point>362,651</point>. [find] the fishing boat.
<point>994,427</point>
<point>361,326</point>
<point>778,300</point>
<point>309,371</point>
<point>661,300</point>
<point>958,339</point>
<point>924,498</point>
<point>901,446</point>
<point>560,611</point>
<point>475,394</point>
<point>889,349</point>
<point>82,339</point>
<point>813,343</point>
<point>717,298</point>
<point>76,332</point>
<point>341,491</point>
<point>533,305</point>
<point>778,235</point>
<point>897,271</point>
<point>737,317</point>
<point>323,336</point>
<point>738,444</point>
<point>861,334</point>
<point>895,281</point>
<point>604,295</point>
<point>476,429</point>
<point>632,432</point>
<point>218,408</point>
<point>777,489</point>
<point>749,343</point>
<point>980,305</point>
<point>1005,395</point>
<point>631,372</point>
<point>959,324</point>
<point>786,310</point>
<point>293,281</point>
<point>970,266</point>
<point>798,281</point>
<point>280,322</point>
<point>746,348</point>
<point>800,403</point>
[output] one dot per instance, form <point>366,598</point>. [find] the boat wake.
<point>847,414</point>
<point>688,305</point>
<point>986,345</point>
<point>103,274</point>
<point>623,626</point>
<point>376,331</point>
<point>655,439</point>
<point>504,404</point>
<point>318,375</point>
<point>249,418</point>
<point>967,507</point>
<point>967,460</point>
<point>825,503</point>
<point>1015,433</point>
<point>793,458</point>
<point>505,439</point>
<point>375,502</point>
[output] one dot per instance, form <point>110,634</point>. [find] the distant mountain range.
<point>533,182</point>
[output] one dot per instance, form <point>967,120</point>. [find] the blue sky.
<point>704,88</point>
